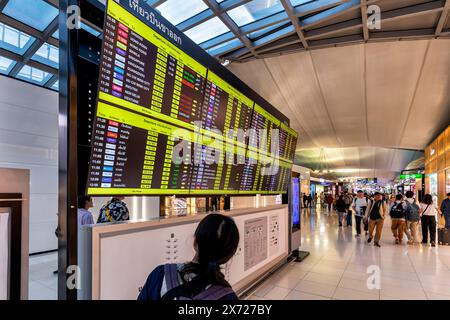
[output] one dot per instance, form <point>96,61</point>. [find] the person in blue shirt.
<point>84,215</point>
<point>215,242</point>
<point>445,209</point>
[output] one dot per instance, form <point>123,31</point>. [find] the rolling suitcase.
<point>444,236</point>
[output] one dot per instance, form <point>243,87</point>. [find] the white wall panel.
<point>29,140</point>
<point>393,70</point>
<point>431,107</point>
<point>17,93</point>
<point>19,119</point>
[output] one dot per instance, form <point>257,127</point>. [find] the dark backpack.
<point>175,290</point>
<point>397,211</point>
<point>413,212</point>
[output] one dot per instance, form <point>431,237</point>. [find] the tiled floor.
<point>42,282</point>
<point>338,264</point>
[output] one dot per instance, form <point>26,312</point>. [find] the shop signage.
<point>410,176</point>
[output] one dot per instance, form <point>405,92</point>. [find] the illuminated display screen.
<point>166,124</point>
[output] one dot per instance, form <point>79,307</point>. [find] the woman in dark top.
<point>341,208</point>
<point>215,242</point>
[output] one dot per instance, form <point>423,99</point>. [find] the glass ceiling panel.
<point>255,10</point>
<point>226,46</point>
<point>300,2</point>
<point>14,40</point>
<point>258,33</point>
<point>47,54</point>
<point>330,12</point>
<point>33,75</point>
<point>92,31</point>
<point>6,65</point>
<point>35,13</point>
<point>177,11</point>
<point>56,35</point>
<point>207,30</point>
<point>55,86</point>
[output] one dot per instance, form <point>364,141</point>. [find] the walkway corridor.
<point>338,263</point>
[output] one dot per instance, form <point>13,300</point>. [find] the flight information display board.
<point>166,124</point>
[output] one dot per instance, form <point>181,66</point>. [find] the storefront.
<point>437,166</point>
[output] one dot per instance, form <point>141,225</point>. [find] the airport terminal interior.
<point>321,127</point>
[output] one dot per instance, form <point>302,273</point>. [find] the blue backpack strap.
<point>214,293</point>
<point>171,276</point>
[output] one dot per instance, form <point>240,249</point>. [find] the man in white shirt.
<point>359,205</point>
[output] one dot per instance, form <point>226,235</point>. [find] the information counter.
<point>116,259</point>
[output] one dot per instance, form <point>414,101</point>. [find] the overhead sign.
<point>410,176</point>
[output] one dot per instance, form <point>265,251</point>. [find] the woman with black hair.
<point>428,213</point>
<point>215,242</point>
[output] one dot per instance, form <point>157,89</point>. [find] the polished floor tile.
<point>42,281</point>
<point>277,293</point>
<point>298,295</point>
<point>340,265</point>
<point>315,288</point>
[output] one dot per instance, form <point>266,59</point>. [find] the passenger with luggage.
<point>412,218</point>
<point>428,212</point>
<point>375,215</point>
<point>397,211</point>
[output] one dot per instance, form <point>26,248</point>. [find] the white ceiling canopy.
<point>368,106</point>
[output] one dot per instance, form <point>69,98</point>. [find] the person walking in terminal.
<point>114,210</point>
<point>305,200</point>
<point>315,200</point>
<point>215,242</point>
<point>330,201</point>
<point>310,200</point>
<point>348,199</point>
<point>397,211</point>
<point>341,208</point>
<point>375,214</point>
<point>428,211</point>
<point>412,218</point>
<point>322,199</point>
<point>84,215</point>
<point>445,210</point>
<point>359,205</point>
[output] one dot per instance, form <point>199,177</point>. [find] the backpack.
<point>175,290</point>
<point>413,212</point>
<point>347,199</point>
<point>397,211</point>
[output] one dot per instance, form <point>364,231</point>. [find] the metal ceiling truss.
<point>231,25</point>
<point>51,29</point>
<point>356,30</point>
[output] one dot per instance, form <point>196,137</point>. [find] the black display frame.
<point>211,64</point>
